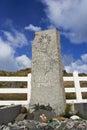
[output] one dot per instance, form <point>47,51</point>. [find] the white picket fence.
<point>76,89</point>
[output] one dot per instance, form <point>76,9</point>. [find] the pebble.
<point>54,125</point>
<point>75,117</point>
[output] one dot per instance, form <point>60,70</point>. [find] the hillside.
<point>23,72</point>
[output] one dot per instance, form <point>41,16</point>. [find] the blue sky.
<point>20,19</point>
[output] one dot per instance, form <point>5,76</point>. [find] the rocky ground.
<point>44,118</point>
<point>67,124</point>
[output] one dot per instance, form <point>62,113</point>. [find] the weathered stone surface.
<point>47,80</point>
<point>9,114</point>
<point>23,110</point>
<point>81,108</point>
<point>30,116</point>
<point>21,117</point>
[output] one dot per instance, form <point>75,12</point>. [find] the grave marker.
<point>47,79</point>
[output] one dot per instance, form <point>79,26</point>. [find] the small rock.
<point>60,118</point>
<point>6,128</point>
<point>54,124</point>
<point>9,124</point>
<point>21,117</point>
<point>41,124</point>
<point>14,126</point>
<point>48,128</point>
<point>30,124</point>
<point>81,126</point>
<point>2,127</point>
<point>30,116</point>
<point>70,125</point>
<point>23,110</point>
<point>75,117</point>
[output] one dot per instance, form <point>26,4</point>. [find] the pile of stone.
<point>44,118</point>
<point>67,124</point>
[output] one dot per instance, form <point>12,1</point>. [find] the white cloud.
<point>23,62</point>
<point>8,60</point>
<point>71,16</point>
<point>32,28</point>
<point>79,65</point>
<point>6,56</point>
<point>15,39</point>
<point>67,59</point>
<point>5,50</point>
<point>84,58</point>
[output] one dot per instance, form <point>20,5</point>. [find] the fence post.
<point>77,87</point>
<point>29,88</point>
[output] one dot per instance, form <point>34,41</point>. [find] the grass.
<point>13,84</point>
<point>68,84</point>
<point>13,96</point>
<point>70,96</point>
<point>23,72</point>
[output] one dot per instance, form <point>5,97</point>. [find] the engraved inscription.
<point>44,41</point>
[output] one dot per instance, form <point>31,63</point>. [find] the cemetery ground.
<point>41,118</point>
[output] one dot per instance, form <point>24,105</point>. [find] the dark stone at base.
<point>81,109</point>
<point>21,117</point>
<point>30,116</point>
<point>23,110</point>
<point>8,114</point>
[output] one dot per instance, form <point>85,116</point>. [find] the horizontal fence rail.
<point>16,90</point>
<point>77,89</point>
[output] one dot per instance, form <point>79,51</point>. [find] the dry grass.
<point>70,96</point>
<point>13,96</point>
<point>68,84</point>
<point>13,84</point>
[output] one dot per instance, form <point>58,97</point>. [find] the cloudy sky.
<point>19,19</point>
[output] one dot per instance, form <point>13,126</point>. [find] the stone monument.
<point>47,79</point>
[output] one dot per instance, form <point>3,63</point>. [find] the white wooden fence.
<point>16,90</point>
<point>76,89</point>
